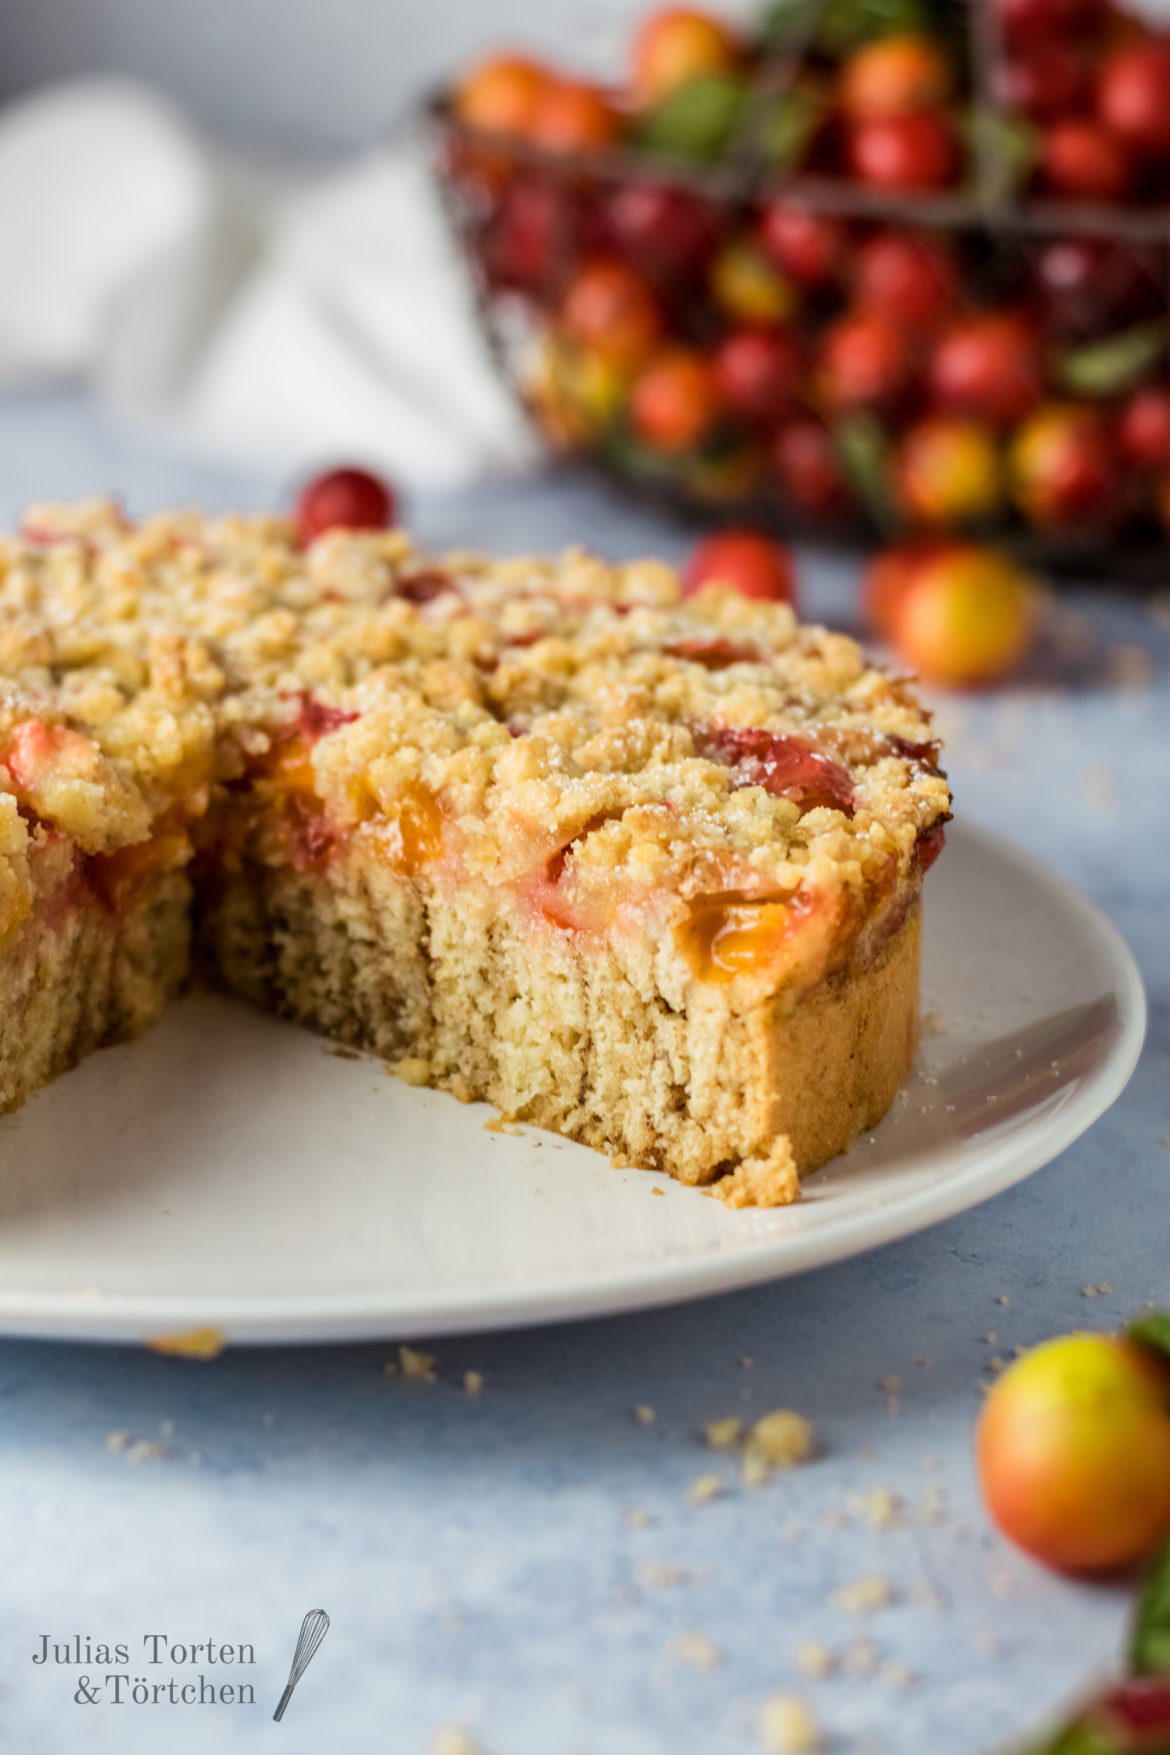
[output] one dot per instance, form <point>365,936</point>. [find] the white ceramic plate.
<point>235,1172</point>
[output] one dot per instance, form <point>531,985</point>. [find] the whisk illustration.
<point>314,1627</point>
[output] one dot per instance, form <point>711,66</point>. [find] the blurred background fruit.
<point>343,499</point>
<point>674,400</point>
<point>501,95</point>
<point>676,45</point>
<point>1134,97</point>
<point>749,561</point>
<point>610,307</point>
<point>904,153</point>
<point>1074,1453</point>
<point>907,267</point>
<point>1064,468</point>
<point>964,618</point>
<point>948,473</point>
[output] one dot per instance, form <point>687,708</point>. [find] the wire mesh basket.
<point>738,314</point>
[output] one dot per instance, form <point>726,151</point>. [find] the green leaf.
<point>864,451</point>
<point>1102,368</point>
<point>788,21</point>
<point>788,125</point>
<point>695,121</point>
<point>1006,145</point>
<point>625,453</point>
<point>843,24</point>
<point>1152,1329</point>
<point>1078,1738</point>
<point>1149,1649</point>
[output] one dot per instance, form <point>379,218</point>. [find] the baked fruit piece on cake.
<point>641,870</point>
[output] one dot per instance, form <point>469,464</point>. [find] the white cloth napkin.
<point>283,321</point>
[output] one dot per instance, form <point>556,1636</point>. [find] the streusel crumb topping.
<point>558,722</point>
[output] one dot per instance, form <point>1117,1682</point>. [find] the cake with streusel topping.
<point>642,870</point>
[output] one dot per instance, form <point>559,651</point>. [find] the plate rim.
<point>333,1318</point>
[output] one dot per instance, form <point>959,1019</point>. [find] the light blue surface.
<point>473,1552</point>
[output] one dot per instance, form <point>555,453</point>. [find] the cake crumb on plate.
<point>696,1650</point>
<point>419,1367</point>
<point>453,1739</point>
<point>788,1726</point>
<point>815,1658</point>
<point>864,1595</point>
<point>704,1489</point>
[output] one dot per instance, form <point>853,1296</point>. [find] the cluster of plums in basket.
<point>731,349</point>
<point>882,95</point>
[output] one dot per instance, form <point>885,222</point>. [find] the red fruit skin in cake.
<point>930,845</point>
<point>312,838</point>
<point>784,765</point>
<point>316,719</point>
<point>714,654</point>
<point>424,587</point>
<point>34,744</point>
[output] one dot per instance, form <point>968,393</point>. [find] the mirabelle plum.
<point>907,276</point>
<point>747,285</point>
<point>808,247</point>
<point>343,499</point>
<point>966,618</point>
<point>753,564</point>
<point>1085,162</point>
<point>675,400</point>
<point>758,372</point>
<point>609,308</point>
<point>947,472</point>
<point>904,154</point>
<point>895,76</point>
<point>988,366</point>
<point>808,469</point>
<point>1134,96</point>
<point>502,95</point>
<point>1074,1452</point>
<point>668,232</point>
<point>865,361</point>
<point>888,577</point>
<point>676,44</point>
<point>1063,467</point>
<point>572,116</point>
